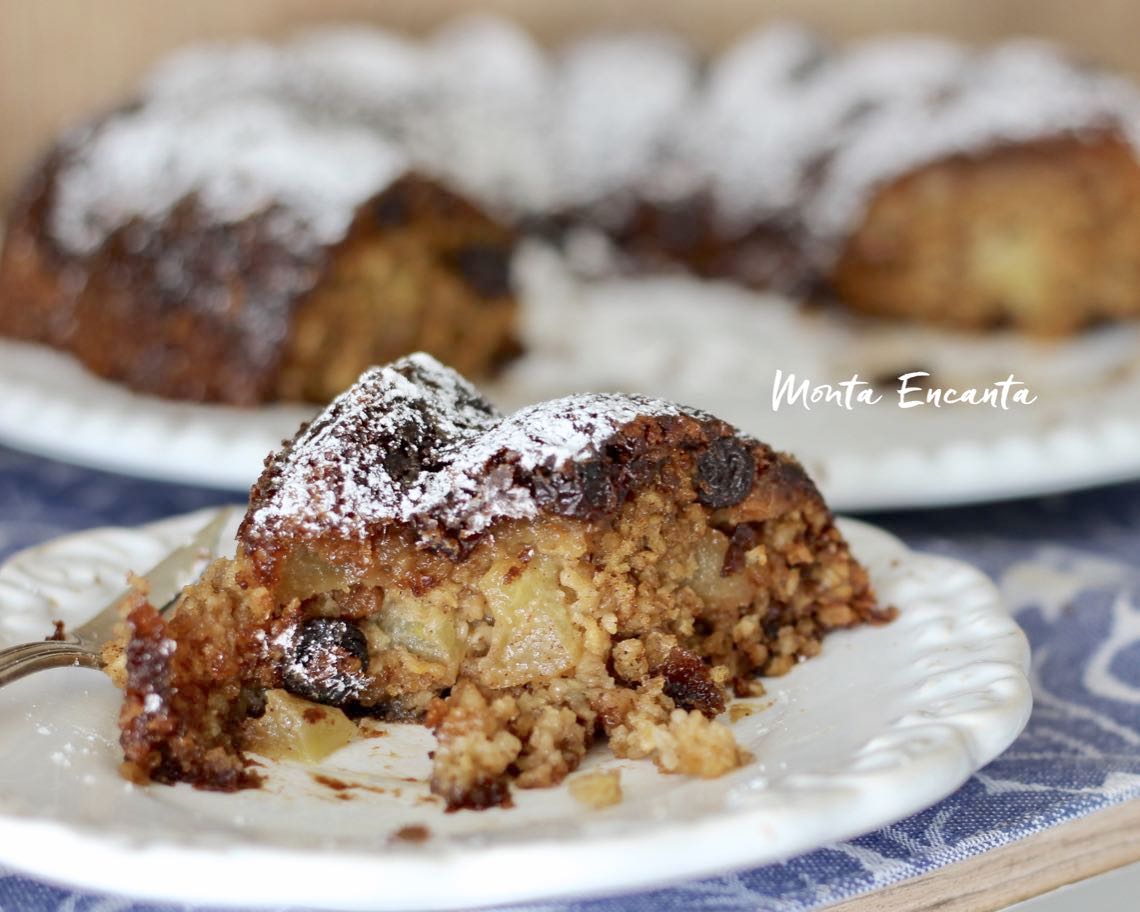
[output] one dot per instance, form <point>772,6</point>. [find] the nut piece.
<point>597,790</point>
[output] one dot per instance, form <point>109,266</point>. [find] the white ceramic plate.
<point>883,723</point>
<point>707,344</point>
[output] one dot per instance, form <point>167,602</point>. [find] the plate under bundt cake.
<point>599,566</point>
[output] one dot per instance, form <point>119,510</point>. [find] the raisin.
<point>744,538</point>
<point>600,492</point>
<point>403,458</point>
<point>485,268</point>
<point>588,489</point>
<point>327,661</point>
<point>725,472</point>
<point>392,209</point>
<point>251,702</point>
<point>486,793</point>
<point>688,683</point>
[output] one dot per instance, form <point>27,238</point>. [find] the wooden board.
<point>1065,854</point>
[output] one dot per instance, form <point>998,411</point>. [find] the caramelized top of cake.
<point>414,444</point>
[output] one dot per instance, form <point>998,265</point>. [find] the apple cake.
<point>264,221</point>
<point>595,566</point>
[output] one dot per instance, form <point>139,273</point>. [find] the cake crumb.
<point>738,711</point>
<point>337,785</point>
<point>415,833</point>
<point>597,790</point>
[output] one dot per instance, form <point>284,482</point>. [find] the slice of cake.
<point>599,565</point>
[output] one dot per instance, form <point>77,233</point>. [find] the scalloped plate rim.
<point>459,875</point>
<point>83,419</point>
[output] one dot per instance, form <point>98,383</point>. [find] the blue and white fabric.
<point>1068,566</point>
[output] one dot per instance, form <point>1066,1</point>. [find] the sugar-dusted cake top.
<point>789,128</point>
<point>222,127</point>
<point>966,104</point>
<point>414,444</point>
<point>314,127</point>
<point>780,129</point>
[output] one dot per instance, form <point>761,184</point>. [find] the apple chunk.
<point>295,729</point>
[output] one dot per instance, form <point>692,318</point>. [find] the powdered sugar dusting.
<point>1018,92</point>
<point>754,132</point>
<point>620,100</point>
<point>220,127</point>
<point>780,130</point>
<point>789,130</point>
<point>239,157</point>
<point>414,443</point>
<point>357,463</point>
<point>483,124</point>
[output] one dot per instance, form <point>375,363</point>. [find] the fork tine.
<point>164,579</point>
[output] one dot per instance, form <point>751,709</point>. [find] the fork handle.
<point>18,661</point>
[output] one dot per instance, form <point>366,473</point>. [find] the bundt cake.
<point>599,565</point>
<point>265,221</point>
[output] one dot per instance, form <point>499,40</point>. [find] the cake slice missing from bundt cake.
<point>595,565</point>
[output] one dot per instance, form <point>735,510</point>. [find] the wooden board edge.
<point>1082,848</point>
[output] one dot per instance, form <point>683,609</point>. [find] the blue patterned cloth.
<point>1068,566</point>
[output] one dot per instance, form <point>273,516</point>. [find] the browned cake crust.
<point>686,233</point>
<point>598,565</point>
<point>190,308</point>
<point>191,680</point>
<point>1041,236</point>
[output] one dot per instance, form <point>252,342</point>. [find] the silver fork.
<point>83,646</point>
